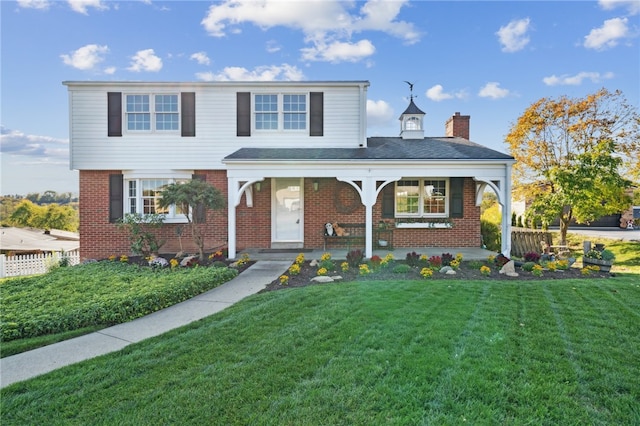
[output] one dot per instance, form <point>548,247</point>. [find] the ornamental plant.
<point>322,271</point>
<point>537,270</point>
<point>562,264</point>
<point>344,266</point>
<point>531,257</point>
<point>354,257</point>
<point>435,261</point>
<point>325,256</point>
<point>446,259</point>
<point>386,260</point>
<point>294,269</point>
<point>552,266</point>
<point>284,280</point>
<point>485,270</point>
<point>426,272</point>
<point>413,259</point>
<point>455,264</point>
<point>300,259</point>
<point>364,269</point>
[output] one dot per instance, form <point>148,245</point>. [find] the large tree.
<point>193,199</point>
<point>574,157</point>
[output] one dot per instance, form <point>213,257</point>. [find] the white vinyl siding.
<point>215,115</point>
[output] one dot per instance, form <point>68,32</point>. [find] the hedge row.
<point>101,293</point>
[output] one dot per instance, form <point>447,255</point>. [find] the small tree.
<point>193,198</point>
<point>142,232</point>
<point>572,157</point>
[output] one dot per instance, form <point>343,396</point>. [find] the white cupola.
<point>411,120</point>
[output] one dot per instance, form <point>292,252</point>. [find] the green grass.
<point>363,353</point>
<point>627,252</point>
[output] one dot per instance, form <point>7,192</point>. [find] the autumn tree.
<point>193,198</point>
<point>574,157</point>
<point>52,216</point>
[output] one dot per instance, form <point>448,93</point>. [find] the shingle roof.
<point>379,148</point>
<point>413,109</point>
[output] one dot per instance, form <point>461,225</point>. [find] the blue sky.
<point>489,60</point>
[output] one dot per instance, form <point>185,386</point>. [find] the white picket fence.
<point>32,264</point>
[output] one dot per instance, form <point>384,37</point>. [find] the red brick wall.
<point>333,202</point>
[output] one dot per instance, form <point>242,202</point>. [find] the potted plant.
<point>603,258</point>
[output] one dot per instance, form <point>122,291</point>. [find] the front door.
<point>287,212</point>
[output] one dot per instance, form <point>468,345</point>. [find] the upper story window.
<point>280,111</point>
<point>422,198</point>
<point>161,114</point>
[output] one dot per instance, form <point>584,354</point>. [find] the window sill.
<point>425,225</point>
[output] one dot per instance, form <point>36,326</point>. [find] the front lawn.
<point>374,352</point>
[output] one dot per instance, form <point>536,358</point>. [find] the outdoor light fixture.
<point>258,186</point>
<point>315,185</point>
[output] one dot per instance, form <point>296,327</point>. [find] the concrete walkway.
<point>30,364</point>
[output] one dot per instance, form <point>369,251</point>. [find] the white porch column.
<point>506,214</point>
<point>232,184</point>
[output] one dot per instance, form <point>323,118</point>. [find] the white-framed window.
<point>146,112</point>
<point>280,111</point>
<point>422,197</point>
<point>142,196</point>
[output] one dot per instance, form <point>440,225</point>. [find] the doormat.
<point>286,251</point>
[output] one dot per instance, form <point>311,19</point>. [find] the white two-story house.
<point>290,157</point>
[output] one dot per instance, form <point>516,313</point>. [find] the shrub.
<point>142,230</point>
<point>446,259</point>
<point>490,235</point>
<point>327,264</point>
<point>532,256</point>
<point>528,266</point>
<point>435,261</point>
<point>413,259</point>
<point>476,264</point>
<point>402,269</point>
<point>354,258</point>
<point>607,255</point>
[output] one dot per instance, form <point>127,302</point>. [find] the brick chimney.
<point>458,126</point>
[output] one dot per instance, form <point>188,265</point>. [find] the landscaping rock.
<point>322,279</point>
<point>509,269</point>
<point>445,269</point>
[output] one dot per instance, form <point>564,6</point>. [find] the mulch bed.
<point>465,272</point>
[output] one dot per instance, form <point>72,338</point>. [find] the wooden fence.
<point>32,264</point>
<point>525,240</point>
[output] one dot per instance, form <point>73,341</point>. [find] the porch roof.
<point>379,149</point>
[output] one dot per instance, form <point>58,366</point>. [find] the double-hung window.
<point>143,196</point>
<point>422,198</point>
<point>280,111</point>
<point>152,112</point>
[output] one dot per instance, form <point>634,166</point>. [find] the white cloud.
<point>46,148</point>
<point>326,24</point>
<point>338,51</point>
<point>437,94</point>
<point>576,80</point>
<point>632,6</point>
<point>145,60</point>
<point>273,46</point>
<point>81,6</point>
<point>201,58</point>
<point>284,72</point>
<point>493,90</point>
<point>379,113</point>
<point>608,35</point>
<point>86,57</point>
<point>513,36</point>
<point>34,4</point>
<point>110,70</point>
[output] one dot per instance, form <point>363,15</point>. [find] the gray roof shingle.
<point>379,148</point>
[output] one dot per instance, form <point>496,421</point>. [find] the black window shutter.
<point>116,198</point>
<point>243,114</point>
<point>188,103</point>
<point>114,114</point>
<point>199,213</point>
<point>316,114</point>
<point>388,201</point>
<point>456,187</point>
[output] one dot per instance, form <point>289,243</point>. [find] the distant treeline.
<point>47,197</point>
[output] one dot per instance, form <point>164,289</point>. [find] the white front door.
<point>287,212</point>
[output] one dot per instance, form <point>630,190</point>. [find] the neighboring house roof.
<point>378,149</point>
<point>29,239</point>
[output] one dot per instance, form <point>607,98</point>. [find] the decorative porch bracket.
<point>368,189</point>
<point>236,187</point>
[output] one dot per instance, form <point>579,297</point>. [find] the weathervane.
<point>410,88</point>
